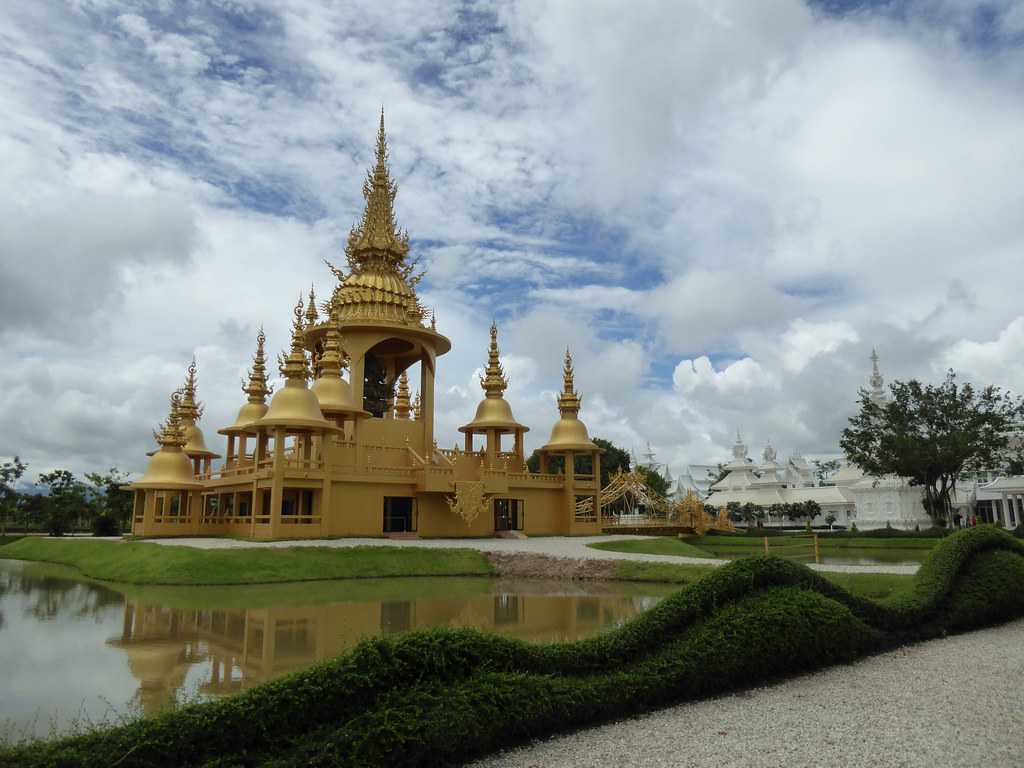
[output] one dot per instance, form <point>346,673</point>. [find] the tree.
<point>811,509</point>
<point>67,500</point>
<point>824,470</point>
<point>10,473</point>
<point>716,474</point>
<point>732,508</point>
<point>112,500</point>
<point>751,512</point>
<point>931,434</point>
<point>654,481</point>
<point>830,518</point>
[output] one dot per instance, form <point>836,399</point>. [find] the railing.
<point>171,519</point>
<point>300,519</point>
<point>794,547</point>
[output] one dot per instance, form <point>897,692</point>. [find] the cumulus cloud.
<point>720,207</point>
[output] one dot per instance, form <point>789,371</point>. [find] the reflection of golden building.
<point>357,457</point>
<point>244,647</point>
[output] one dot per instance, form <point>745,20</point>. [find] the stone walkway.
<point>574,547</point>
<point>953,703</point>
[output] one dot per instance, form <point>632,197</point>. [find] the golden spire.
<point>311,314</point>
<point>376,238</point>
<point>494,381</point>
<point>257,389</point>
<point>569,433</point>
<point>190,409</point>
<point>417,407</point>
<point>171,433</point>
<point>402,400</point>
<point>295,366</point>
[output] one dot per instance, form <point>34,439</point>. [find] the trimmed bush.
<point>103,525</point>
<point>441,697</point>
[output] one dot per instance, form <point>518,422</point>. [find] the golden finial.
<point>402,399</point>
<point>417,407</point>
<point>257,389</point>
<point>171,432</point>
<point>189,408</point>
<point>295,365</point>
<point>376,239</point>
<point>311,314</point>
<point>494,381</point>
<point>331,362</point>
<point>568,400</point>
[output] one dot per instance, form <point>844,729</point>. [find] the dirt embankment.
<point>528,566</point>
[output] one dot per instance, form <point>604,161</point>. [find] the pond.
<point>75,652</point>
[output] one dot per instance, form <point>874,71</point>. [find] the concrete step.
<point>509,535</point>
<point>406,535</point>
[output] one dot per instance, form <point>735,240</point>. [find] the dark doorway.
<point>398,516</point>
<point>508,515</point>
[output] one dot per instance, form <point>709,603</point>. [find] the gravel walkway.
<point>574,547</point>
<point>945,703</point>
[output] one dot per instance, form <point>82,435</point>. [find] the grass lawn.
<point>663,545</point>
<point>145,563</point>
<point>881,587</point>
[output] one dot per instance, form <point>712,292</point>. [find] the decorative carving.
<point>469,501</point>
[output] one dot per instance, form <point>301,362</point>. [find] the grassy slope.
<point>660,546</point>
<point>440,698</point>
<point>143,563</point>
<point>874,586</point>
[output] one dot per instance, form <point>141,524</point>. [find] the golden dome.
<point>195,444</point>
<point>332,391</point>
<point>494,412</point>
<point>569,433</point>
<point>295,405</point>
<point>169,467</point>
<point>257,390</point>
<point>247,414</point>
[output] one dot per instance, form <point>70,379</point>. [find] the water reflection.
<point>81,648</point>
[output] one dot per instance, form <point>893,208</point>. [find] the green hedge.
<point>441,697</point>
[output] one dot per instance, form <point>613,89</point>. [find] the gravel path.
<point>945,703</point>
<point>574,547</point>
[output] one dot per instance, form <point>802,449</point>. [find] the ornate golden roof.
<point>257,389</point>
<point>295,406</point>
<point>494,412</point>
<point>380,285</point>
<point>569,433</point>
<point>332,391</point>
<point>169,467</point>
<point>402,406</point>
<point>191,411</point>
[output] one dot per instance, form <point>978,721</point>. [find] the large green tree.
<point>112,500</point>
<point>67,501</point>
<point>930,434</point>
<point>10,473</point>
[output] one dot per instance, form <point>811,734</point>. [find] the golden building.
<point>357,457</point>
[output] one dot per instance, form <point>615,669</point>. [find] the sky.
<point>721,207</point>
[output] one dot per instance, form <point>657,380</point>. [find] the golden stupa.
<point>356,456</point>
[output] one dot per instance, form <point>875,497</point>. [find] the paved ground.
<point>946,703</point>
<point>553,546</point>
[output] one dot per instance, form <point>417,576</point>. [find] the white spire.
<point>877,382</point>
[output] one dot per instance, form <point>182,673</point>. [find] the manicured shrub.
<point>445,696</point>
<point>104,525</point>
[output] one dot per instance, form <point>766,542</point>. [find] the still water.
<point>74,651</point>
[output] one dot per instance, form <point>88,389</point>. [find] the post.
<point>766,546</point>
<point>277,488</point>
<point>817,550</point>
